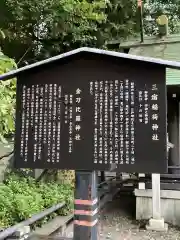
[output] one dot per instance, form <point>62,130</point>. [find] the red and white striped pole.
<point>86,206</point>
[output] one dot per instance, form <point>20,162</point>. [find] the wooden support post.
<point>86,206</point>
<point>156,223</point>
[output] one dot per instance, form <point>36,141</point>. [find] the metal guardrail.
<point>9,231</point>
<point>106,182</point>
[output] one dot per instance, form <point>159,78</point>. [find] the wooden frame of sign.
<point>92,109</point>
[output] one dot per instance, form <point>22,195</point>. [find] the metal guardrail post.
<point>86,206</point>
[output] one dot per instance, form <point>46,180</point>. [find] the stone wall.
<point>6,162</point>
<point>170,205</point>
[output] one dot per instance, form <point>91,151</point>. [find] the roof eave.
<point>166,63</point>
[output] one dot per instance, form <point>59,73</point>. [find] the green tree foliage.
<point>37,29</point>
<point>154,8</point>
<point>46,27</point>
<point>7,98</point>
<point>121,20</point>
<point>42,28</point>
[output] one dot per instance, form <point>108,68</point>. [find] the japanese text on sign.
<point>155,108</point>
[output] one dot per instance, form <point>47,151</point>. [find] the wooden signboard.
<point>91,111</point>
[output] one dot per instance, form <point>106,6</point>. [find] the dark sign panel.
<point>92,112</point>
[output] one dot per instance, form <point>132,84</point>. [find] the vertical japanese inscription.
<point>70,123</point>
<point>41,122</point>
<point>127,115</point>
<point>27,124</point>
<point>58,147</point>
<point>54,136</point>
<point>155,109</point>
<point>121,108</point>
<point>146,107</point>
<point>140,98</point>
<point>111,125</point>
<point>36,116</point>
<point>49,123</point>
<point>132,120</point>
<point>22,144</point>
<point>45,115</point>
<point>78,117</point>
<point>106,120</point>
<point>114,119</point>
<point>33,112</point>
<point>96,101</point>
<point>101,100</point>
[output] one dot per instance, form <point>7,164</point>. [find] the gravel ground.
<point>117,222</point>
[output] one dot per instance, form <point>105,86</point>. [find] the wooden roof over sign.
<point>165,63</point>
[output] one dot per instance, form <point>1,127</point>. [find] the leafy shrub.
<point>7,98</point>
<point>21,197</point>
